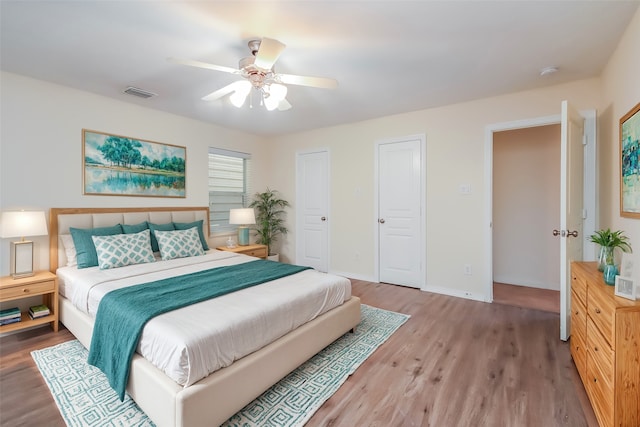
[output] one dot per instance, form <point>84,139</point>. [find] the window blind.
<point>229,173</point>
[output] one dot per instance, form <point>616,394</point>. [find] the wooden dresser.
<point>605,346</point>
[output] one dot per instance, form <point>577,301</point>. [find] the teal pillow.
<point>85,249</point>
<point>135,228</point>
<point>162,227</point>
<point>188,225</point>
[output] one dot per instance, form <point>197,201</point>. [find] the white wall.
<point>526,207</point>
<point>455,223</point>
<point>621,92</point>
<point>41,149</point>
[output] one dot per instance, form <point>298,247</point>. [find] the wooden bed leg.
<point>353,330</point>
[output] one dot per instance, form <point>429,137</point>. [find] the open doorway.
<point>526,205</point>
<point>589,180</point>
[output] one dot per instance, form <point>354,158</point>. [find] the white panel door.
<point>571,207</point>
<point>312,207</point>
<point>399,212</point>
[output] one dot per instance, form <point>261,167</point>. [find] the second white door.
<point>401,197</point>
<point>312,210</point>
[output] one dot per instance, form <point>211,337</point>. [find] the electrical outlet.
<point>467,269</point>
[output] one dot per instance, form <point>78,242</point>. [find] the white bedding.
<point>190,343</point>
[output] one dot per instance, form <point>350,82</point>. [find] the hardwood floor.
<point>454,363</point>
<point>524,296</point>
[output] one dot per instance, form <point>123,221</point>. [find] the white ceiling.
<point>388,56</point>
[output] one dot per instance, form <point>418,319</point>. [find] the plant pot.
<point>274,257</point>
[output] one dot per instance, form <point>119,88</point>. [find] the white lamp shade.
<point>242,216</point>
<point>22,224</point>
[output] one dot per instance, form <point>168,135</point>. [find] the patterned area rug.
<point>84,397</point>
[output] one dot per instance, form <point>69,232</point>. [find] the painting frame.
<point>117,165</point>
<point>629,157</point>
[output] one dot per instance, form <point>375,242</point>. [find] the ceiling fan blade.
<point>206,65</point>
<point>284,105</point>
<point>220,92</point>
<point>268,53</point>
<point>321,82</point>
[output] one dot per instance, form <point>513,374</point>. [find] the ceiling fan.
<point>258,73</point>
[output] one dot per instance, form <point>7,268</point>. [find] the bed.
<point>214,398</point>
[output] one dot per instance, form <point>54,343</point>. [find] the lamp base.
<point>22,259</point>
<point>243,235</point>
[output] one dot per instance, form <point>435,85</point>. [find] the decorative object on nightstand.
<point>41,283</point>
<point>270,222</point>
<point>242,217</point>
<point>22,224</point>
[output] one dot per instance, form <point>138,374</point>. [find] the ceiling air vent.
<point>139,92</point>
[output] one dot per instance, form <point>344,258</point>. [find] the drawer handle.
<point>595,348</point>
<point>597,311</point>
<point>595,380</point>
<point>25,290</point>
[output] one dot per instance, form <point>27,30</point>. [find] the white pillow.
<point>69,249</point>
<point>179,243</point>
<point>119,250</point>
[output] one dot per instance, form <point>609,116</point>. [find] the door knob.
<point>381,220</point>
<point>572,233</point>
<point>324,218</point>
<point>558,233</point>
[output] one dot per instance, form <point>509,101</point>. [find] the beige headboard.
<point>61,219</point>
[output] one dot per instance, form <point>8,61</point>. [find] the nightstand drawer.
<point>260,253</point>
<point>25,290</point>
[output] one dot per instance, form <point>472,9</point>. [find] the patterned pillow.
<point>163,227</point>
<point>85,248</point>
<point>179,243</point>
<point>123,249</point>
<point>198,225</point>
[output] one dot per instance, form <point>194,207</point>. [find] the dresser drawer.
<point>579,286</point>
<point>26,290</point>
<point>579,354</point>
<point>602,310</point>
<point>602,354</point>
<point>578,316</point>
<point>600,393</point>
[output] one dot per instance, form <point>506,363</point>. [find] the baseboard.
<point>455,293</point>
<point>354,276</point>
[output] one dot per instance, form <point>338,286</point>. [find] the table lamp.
<point>242,217</point>
<point>21,224</point>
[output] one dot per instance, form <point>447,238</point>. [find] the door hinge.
<point>584,214</point>
<point>585,139</point>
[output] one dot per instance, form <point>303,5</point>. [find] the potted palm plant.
<point>608,241</point>
<point>269,209</point>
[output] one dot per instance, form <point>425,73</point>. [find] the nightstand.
<point>259,251</point>
<point>42,283</point>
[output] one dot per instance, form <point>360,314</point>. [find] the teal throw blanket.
<point>122,313</point>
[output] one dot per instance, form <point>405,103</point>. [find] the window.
<point>229,173</point>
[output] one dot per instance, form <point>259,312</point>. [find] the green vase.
<point>605,257</point>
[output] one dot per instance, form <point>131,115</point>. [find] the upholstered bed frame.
<point>215,398</point>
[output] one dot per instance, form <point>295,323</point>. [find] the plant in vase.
<point>269,217</point>
<point>608,241</point>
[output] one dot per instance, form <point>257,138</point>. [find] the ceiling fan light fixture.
<point>241,91</point>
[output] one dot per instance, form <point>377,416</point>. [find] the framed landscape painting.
<point>121,166</point>
<point>630,163</point>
